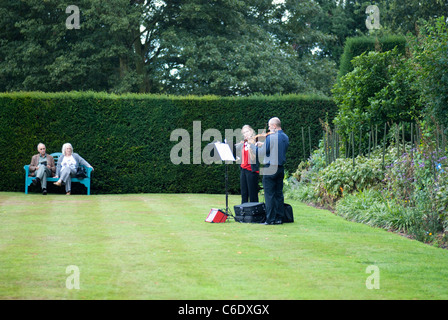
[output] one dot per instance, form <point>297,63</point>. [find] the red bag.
<point>216,216</point>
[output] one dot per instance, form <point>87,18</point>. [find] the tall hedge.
<point>126,138</point>
<point>356,46</point>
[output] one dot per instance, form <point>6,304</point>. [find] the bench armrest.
<point>27,169</point>
<point>89,171</point>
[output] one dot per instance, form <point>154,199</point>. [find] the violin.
<point>262,135</point>
<point>257,137</point>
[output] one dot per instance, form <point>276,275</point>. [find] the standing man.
<point>42,166</point>
<point>273,150</point>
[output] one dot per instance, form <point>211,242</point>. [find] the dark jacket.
<point>35,162</point>
<point>273,151</point>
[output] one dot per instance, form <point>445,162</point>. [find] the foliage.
<point>302,184</point>
<point>188,46</point>
<point>38,52</point>
<point>355,46</point>
<point>377,90</point>
<point>402,17</point>
<point>174,47</point>
<point>368,207</point>
<point>326,185</point>
<point>345,20</point>
<point>341,176</point>
<point>307,170</point>
<point>340,20</point>
<point>417,180</point>
<point>430,62</point>
<point>409,195</point>
<point>216,65</point>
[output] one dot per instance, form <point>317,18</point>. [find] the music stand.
<point>225,154</point>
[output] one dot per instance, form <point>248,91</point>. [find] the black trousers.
<point>249,186</point>
<point>273,195</point>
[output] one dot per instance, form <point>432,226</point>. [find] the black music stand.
<point>225,154</point>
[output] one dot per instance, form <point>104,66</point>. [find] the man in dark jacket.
<point>273,151</point>
<point>42,166</point>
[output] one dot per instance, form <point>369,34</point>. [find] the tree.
<point>40,53</point>
<point>222,47</point>
<point>227,48</point>
<point>379,89</point>
<point>401,17</point>
<point>430,63</point>
<point>340,19</point>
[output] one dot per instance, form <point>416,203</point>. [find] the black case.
<point>250,212</point>
<point>289,217</point>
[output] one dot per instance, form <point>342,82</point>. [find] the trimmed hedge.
<point>126,138</point>
<point>358,45</point>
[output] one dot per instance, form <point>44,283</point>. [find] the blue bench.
<point>29,179</point>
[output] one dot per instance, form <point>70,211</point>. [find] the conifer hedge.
<point>356,46</point>
<point>126,138</point>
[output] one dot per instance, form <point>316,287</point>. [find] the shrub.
<point>417,181</point>
<point>378,90</point>
<point>342,177</point>
<point>356,46</point>
<point>369,207</point>
<point>409,195</point>
<point>429,56</point>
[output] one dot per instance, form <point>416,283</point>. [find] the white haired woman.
<point>67,166</point>
<point>249,173</point>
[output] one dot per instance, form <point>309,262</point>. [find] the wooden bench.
<point>56,155</point>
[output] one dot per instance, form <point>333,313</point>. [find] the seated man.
<point>42,166</point>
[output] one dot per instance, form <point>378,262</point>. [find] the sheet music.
<point>224,151</point>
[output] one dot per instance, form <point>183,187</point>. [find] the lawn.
<point>158,246</point>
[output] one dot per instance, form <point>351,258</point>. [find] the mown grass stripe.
<point>158,246</point>
<point>23,225</point>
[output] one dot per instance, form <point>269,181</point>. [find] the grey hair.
<point>40,143</point>
<point>65,146</point>
<point>276,121</point>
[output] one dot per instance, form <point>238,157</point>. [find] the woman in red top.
<point>249,167</point>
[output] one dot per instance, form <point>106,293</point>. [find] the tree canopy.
<point>221,47</point>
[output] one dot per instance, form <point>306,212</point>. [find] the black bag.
<point>81,172</point>
<point>289,217</point>
<point>250,212</point>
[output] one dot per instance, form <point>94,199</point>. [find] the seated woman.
<point>67,166</point>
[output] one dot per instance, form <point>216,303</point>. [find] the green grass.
<point>157,246</point>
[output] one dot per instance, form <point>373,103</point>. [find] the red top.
<point>245,163</point>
